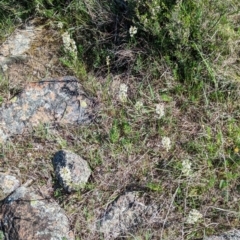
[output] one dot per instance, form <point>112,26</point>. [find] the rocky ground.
<point>44,98</point>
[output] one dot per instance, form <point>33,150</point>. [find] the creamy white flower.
<point>153,11</point>
<point>60,25</point>
<point>132,31</point>
<point>166,142</point>
<point>138,105</point>
<point>145,21</point>
<point>194,216</point>
<point>160,110</point>
<point>37,8</point>
<point>69,44</point>
<point>108,60</point>
<point>123,92</point>
<point>186,167</point>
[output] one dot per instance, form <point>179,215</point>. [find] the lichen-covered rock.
<point>27,216</point>
<point>18,43</point>
<point>51,101</point>
<point>31,53</point>
<point>124,215</point>
<point>14,49</point>
<point>231,235</point>
<point>8,184</point>
<point>71,170</point>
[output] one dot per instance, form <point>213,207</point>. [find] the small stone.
<point>8,184</point>
<point>71,170</point>
<point>124,215</point>
<point>27,215</point>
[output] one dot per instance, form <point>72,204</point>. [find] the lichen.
<point>65,174</point>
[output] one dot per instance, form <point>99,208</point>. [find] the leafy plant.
<point>114,134</point>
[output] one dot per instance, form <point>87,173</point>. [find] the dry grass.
<point>138,160</point>
<point>124,145</point>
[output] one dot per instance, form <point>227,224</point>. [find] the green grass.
<point>183,56</point>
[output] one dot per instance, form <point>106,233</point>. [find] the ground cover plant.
<point>166,76</point>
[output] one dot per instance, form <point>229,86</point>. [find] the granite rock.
<point>26,215</point>
<point>8,184</point>
<point>61,101</point>
<point>231,235</point>
<point>30,53</point>
<point>71,170</point>
<point>18,43</point>
<point>124,215</point>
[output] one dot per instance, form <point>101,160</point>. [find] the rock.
<point>71,170</point>
<point>125,215</point>
<point>17,44</point>
<point>50,101</point>
<point>232,235</point>
<point>26,216</point>
<point>8,184</point>
<point>31,53</point>
<point>14,49</point>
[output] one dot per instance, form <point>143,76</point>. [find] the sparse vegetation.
<point>182,56</point>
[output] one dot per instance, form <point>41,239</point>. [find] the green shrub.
<point>198,40</point>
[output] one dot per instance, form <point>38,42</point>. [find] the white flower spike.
<point>123,92</point>
<point>108,60</point>
<point>160,110</point>
<point>138,105</point>
<point>186,167</point>
<point>132,31</point>
<point>166,142</point>
<point>69,44</point>
<point>194,216</point>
